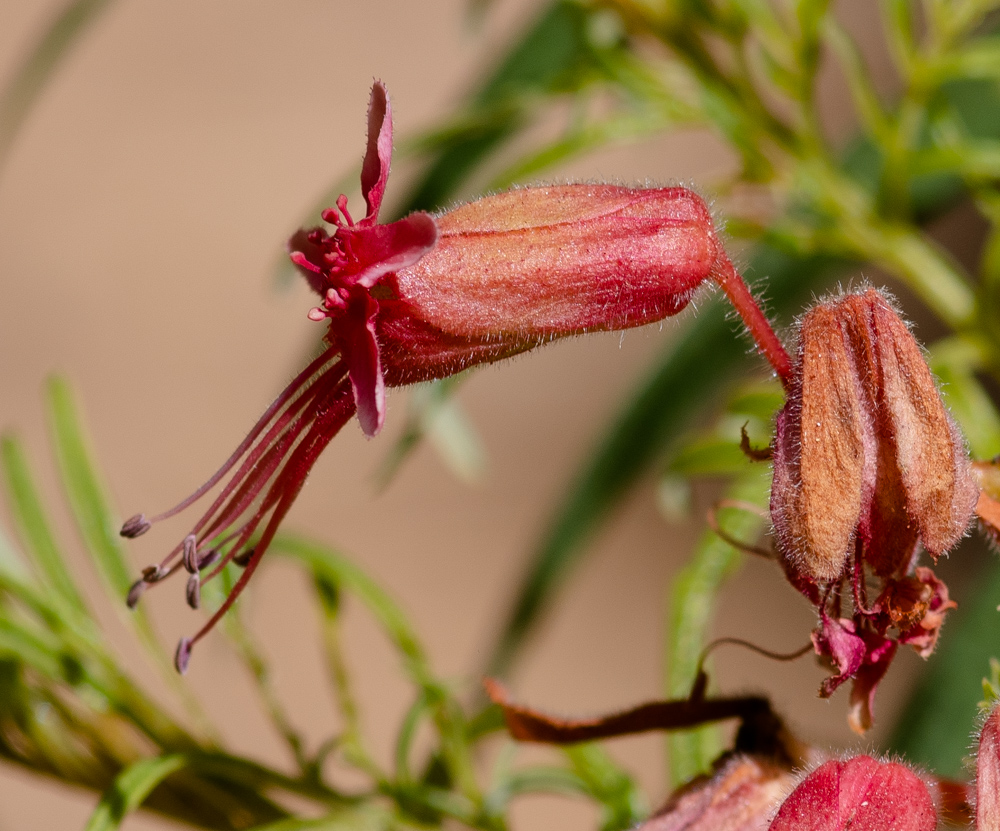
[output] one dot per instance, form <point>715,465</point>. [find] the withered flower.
<point>868,466</point>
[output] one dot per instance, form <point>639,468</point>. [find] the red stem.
<point>768,343</point>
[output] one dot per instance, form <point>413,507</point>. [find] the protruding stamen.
<point>153,574</point>
<point>243,557</point>
<point>193,591</point>
<point>134,593</point>
<point>191,553</point>
<point>183,655</point>
<point>206,559</point>
<point>135,526</point>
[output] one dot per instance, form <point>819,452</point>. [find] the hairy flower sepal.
<point>428,296</point>
<point>868,465</point>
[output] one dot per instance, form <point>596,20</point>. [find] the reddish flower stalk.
<point>426,297</point>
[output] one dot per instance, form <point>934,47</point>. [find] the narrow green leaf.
<point>692,606</point>
<point>329,564</point>
<point>99,531</point>
<point>367,818</point>
<point>33,525</point>
<point>130,789</point>
<point>29,80</point>
<point>606,782</point>
<point>84,491</point>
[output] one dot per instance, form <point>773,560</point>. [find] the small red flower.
<point>426,297</point>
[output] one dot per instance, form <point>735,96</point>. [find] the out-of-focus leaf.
<point>86,496</point>
<point>709,457</point>
<point>326,562</point>
<point>18,97</point>
<point>433,413</point>
<point>27,511</point>
<point>624,804</point>
<point>955,361</point>
<point>367,818</point>
<point>99,530</point>
<point>10,560</point>
<point>556,54</point>
<point>691,609</point>
<point>935,727</point>
<point>130,788</point>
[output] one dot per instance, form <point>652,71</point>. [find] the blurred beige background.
<point>141,214</point>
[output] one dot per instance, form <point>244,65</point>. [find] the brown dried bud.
<point>865,451</point>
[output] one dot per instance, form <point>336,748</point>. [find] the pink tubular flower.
<point>426,297</point>
<point>859,794</point>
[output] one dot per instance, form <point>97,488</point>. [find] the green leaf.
<point>326,563</point>
<point>84,491</point>
<point>99,531</point>
<point>130,789</point>
<point>624,803</point>
<point>556,54</point>
<point>29,515</point>
<point>691,611</point>
<point>31,77</point>
<point>934,728</point>
<point>367,818</point>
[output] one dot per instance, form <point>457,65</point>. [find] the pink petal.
<point>836,640</point>
<point>388,248</point>
<point>356,338</point>
<point>375,169</point>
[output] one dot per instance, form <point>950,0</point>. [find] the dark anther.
<point>135,526</point>
<point>134,593</point>
<point>206,559</point>
<point>191,553</point>
<point>183,655</point>
<point>151,574</point>
<point>194,591</point>
<point>243,558</point>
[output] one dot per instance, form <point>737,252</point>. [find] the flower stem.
<point>768,342</point>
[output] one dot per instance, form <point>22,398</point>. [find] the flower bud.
<point>865,452</point>
<point>860,794</point>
